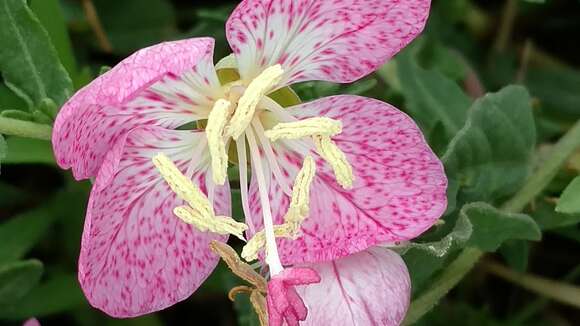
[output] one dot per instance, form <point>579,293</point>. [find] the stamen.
<point>257,89</point>
<point>217,224</point>
<point>337,160</point>
<point>200,212</point>
<point>297,212</point>
<point>320,129</point>
<point>299,204</point>
<point>308,127</point>
<point>216,123</point>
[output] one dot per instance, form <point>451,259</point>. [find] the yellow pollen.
<point>320,129</point>
<point>247,104</point>
<point>216,124</point>
<point>308,127</point>
<point>337,160</point>
<point>297,212</point>
<point>216,224</point>
<point>200,212</point>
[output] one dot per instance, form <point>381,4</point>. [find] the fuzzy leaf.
<point>492,227</point>
<point>431,97</point>
<point>17,279</point>
<point>28,61</point>
<point>490,157</point>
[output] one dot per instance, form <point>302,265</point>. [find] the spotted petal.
<point>136,255</point>
<point>368,288</point>
<point>337,41</point>
<point>169,85</point>
<point>399,188</point>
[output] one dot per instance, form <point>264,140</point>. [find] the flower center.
<point>229,120</point>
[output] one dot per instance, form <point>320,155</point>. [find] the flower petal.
<point>337,41</point>
<point>136,255</point>
<point>169,85</point>
<point>368,288</point>
<point>398,192</point>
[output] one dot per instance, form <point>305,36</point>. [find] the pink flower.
<point>31,322</point>
<point>376,182</point>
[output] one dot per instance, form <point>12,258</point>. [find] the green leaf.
<point>17,279</point>
<point>17,114</point>
<point>492,227</point>
<point>431,97</point>
<point>29,151</point>
<point>569,201</point>
<point>28,60</point>
<point>490,157</point>
<point>58,294</point>
<point>9,100</point>
<point>129,31</point>
<point>425,259</point>
<point>547,218</point>
<point>20,233</point>
<point>50,14</point>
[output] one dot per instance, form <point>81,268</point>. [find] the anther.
<point>216,123</point>
<point>200,212</point>
<point>247,104</point>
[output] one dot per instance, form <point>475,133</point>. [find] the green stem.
<point>544,175</point>
<point>531,309</point>
<point>14,127</point>
<point>451,276</point>
<point>561,292</point>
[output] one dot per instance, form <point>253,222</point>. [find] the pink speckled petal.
<point>399,188</point>
<point>136,255</point>
<point>284,303</point>
<point>332,40</point>
<point>31,322</point>
<point>168,85</point>
<point>368,288</point>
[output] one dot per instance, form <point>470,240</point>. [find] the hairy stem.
<point>451,276</point>
<point>15,127</point>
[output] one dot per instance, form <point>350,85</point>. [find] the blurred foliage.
<point>456,82</point>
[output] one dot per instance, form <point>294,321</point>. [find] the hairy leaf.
<point>491,227</point>
<point>28,61</point>
<point>490,156</point>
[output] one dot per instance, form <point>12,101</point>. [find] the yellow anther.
<point>216,224</point>
<point>257,89</point>
<point>182,186</point>
<point>297,212</point>
<point>299,204</point>
<point>216,123</point>
<point>337,160</point>
<point>308,127</point>
<point>200,212</point>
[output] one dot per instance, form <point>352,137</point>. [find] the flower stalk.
<point>15,127</point>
